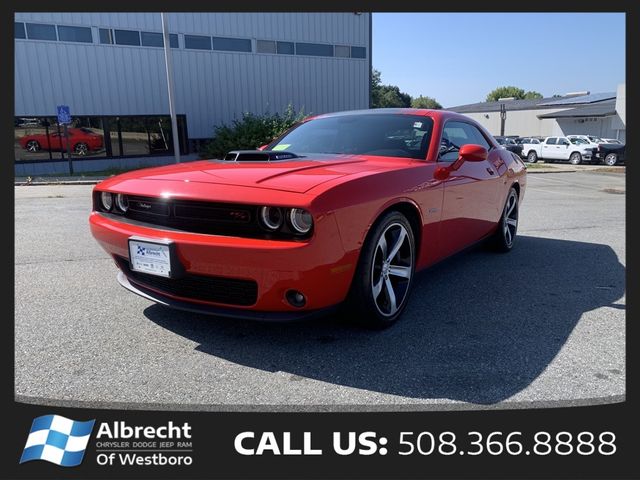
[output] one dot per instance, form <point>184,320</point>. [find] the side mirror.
<point>473,153</point>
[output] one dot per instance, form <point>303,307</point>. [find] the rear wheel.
<point>32,146</point>
<point>532,157</point>
<point>611,159</point>
<point>575,158</point>
<point>505,235</point>
<point>384,276</point>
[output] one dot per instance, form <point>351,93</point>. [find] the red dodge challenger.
<point>82,141</point>
<point>343,209</point>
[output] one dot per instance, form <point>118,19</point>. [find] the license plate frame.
<point>154,257</point>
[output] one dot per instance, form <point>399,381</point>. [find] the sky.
<point>458,58</point>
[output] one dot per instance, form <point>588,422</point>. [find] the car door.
<point>563,148</point>
<point>549,146</point>
<point>470,203</point>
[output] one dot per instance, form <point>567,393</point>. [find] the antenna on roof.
<point>577,94</point>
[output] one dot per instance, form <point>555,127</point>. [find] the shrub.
<point>250,132</point>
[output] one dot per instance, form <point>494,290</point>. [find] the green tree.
<point>425,102</point>
<point>386,96</point>
<point>515,92</point>
<point>250,132</point>
<point>531,95</point>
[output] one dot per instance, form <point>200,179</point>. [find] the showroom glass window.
<point>127,37</point>
<point>197,42</point>
<point>74,34</point>
<point>314,49</point>
<point>41,31</point>
<point>18,31</point>
<point>232,44</point>
<point>358,52</point>
<point>285,48</point>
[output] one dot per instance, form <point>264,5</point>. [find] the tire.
<point>611,159</point>
<point>378,296</point>
<point>532,156</point>
<point>504,237</point>
<point>32,146</point>
<point>81,149</point>
<point>575,158</point>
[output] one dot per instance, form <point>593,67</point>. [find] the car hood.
<point>299,175</point>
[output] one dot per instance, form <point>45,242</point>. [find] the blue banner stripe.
<point>80,429</point>
<point>57,439</point>
<point>41,423</point>
<point>32,453</point>
<point>72,459</point>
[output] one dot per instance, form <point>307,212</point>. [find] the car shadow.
<point>479,327</point>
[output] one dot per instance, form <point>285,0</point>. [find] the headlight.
<point>107,200</point>
<point>301,220</point>
<point>122,202</point>
<point>272,218</point>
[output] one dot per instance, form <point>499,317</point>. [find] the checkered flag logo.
<point>57,440</point>
<point>140,250</point>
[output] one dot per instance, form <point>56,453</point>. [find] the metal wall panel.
<point>212,87</point>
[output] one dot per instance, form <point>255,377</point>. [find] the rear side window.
<point>551,141</point>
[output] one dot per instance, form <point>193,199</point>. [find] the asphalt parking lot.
<point>543,324</point>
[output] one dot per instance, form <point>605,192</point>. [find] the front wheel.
<point>32,146</point>
<point>505,235</point>
<point>611,159</point>
<point>575,158</point>
<point>81,149</point>
<point>384,276</point>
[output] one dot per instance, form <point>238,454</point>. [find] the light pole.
<point>172,105</point>
<point>503,113</point>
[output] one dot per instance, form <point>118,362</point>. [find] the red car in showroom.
<point>82,141</point>
<point>342,209</point>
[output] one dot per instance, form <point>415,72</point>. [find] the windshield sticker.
<point>282,146</point>
<point>417,124</point>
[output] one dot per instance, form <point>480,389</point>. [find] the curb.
<point>57,182</point>
<point>550,171</point>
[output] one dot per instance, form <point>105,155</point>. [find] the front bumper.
<point>222,311</point>
<point>318,267</point>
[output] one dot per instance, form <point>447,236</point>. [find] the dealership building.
<point>109,69</point>
<point>583,113</point>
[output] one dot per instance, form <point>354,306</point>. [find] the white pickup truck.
<point>575,150</point>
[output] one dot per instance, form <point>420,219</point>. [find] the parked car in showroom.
<point>510,144</point>
<point>82,141</point>
<point>610,153</point>
<point>574,151</point>
<point>342,209</point>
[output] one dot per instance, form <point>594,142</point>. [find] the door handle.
<point>490,171</point>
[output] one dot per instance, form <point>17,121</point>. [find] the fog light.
<point>295,298</point>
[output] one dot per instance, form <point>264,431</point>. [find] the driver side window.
<point>454,136</point>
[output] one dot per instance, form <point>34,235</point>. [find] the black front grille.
<point>197,217</point>
<point>212,218</point>
<point>229,291</point>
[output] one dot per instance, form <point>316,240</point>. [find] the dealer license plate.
<point>150,257</point>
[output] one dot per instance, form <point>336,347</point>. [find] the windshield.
<point>384,134</point>
<point>579,141</point>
